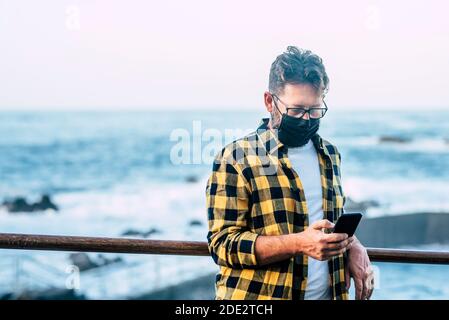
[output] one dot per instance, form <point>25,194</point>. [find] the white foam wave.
<point>399,196</point>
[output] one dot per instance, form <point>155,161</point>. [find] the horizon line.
<point>208,109</point>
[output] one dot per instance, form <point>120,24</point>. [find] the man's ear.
<point>268,100</point>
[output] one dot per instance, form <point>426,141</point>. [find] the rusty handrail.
<point>171,247</point>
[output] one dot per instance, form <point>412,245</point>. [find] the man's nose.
<point>306,116</point>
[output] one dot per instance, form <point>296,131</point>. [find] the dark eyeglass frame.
<point>304,111</point>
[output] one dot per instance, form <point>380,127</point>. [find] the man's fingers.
<point>364,290</point>
<point>369,294</point>
<point>358,289</point>
<point>336,237</point>
<point>347,278</point>
<point>324,223</point>
<point>351,242</point>
<point>338,245</point>
<point>369,283</point>
<point>330,253</point>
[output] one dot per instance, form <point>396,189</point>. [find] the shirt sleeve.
<point>230,241</point>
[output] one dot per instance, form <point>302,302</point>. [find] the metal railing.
<point>170,247</point>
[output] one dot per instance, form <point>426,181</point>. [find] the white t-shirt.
<point>304,161</point>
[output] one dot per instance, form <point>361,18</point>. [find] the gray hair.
<point>297,66</point>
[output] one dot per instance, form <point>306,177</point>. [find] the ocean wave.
<point>170,206</point>
<point>399,196</point>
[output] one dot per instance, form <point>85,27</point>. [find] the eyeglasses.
<point>297,112</point>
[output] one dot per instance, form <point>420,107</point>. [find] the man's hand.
<point>319,245</point>
<point>359,268</point>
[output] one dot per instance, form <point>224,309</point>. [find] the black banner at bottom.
<point>215,309</point>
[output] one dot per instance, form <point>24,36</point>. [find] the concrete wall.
<point>404,230</point>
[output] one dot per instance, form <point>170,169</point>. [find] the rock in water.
<point>195,222</point>
<point>82,261</point>
<point>45,204</point>
<point>354,206</point>
<point>137,233</point>
<point>106,261</point>
<point>151,232</point>
<point>131,233</point>
<point>394,139</point>
<point>20,204</point>
<point>191,179</point>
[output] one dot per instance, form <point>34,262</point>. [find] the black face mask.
<point>296,132</point>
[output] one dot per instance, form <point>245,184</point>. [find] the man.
<point>274,195</point>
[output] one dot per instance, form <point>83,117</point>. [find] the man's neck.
<point>270,124</point>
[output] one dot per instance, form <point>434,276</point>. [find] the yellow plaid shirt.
<point>253,190</point>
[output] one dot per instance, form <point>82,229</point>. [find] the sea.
<point>111,172</point>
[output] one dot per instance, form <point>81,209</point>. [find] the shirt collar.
<point>268,137</point>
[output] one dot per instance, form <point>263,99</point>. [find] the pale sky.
<point>117,54</point>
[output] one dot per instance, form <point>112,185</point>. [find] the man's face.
<point>294,95</point>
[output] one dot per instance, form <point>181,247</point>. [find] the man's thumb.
<point>326,224</point>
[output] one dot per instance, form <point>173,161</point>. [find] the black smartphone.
<point>347,223</point>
